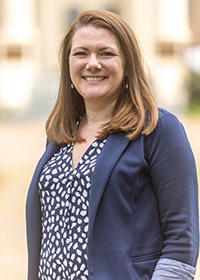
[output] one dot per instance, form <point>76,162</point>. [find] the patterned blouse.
<point>64,195</point>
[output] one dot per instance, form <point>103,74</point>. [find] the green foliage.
<point>193,85</point>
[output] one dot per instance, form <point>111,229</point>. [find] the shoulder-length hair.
<point>135,110</point>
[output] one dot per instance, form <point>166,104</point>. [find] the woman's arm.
<point>167,269</point>
<point>173,174</point>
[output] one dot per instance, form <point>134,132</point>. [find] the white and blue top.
<point>64,195</point>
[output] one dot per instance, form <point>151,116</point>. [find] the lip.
<point>94,78</point>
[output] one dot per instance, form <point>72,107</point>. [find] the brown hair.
<point>135,112</point>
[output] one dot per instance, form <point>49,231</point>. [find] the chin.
<point>94,94</point>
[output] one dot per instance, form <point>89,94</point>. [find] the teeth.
<point>94,78</point>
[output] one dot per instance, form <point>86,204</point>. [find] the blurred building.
<point>31,30</point>
<point>193,52</point>
<point>195,21</point>
<point>18,45</point>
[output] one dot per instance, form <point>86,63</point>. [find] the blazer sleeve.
<point>33,228</point>
<point>174,178</point>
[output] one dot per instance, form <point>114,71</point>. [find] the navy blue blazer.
<point>143,205</point>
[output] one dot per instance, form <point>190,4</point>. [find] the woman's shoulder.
<point>168,134</point>
<point>169,130</point>
<point>165,116</point>
<point>168,122</point>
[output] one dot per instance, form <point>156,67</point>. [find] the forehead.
<point>90,34</point>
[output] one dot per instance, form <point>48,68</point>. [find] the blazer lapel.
<point>114,147</point>
<point>50,150</point>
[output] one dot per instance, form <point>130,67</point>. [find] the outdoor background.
<point>30,34</point>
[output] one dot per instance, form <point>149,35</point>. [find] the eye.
<point>80,54</point>
<point>107,54</point>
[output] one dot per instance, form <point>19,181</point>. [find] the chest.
<point>79,150</point>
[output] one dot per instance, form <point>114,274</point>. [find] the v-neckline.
<point>78,162</point>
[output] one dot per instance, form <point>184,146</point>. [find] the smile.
<point>89,78</point>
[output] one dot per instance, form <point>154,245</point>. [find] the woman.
<point>115,194</point>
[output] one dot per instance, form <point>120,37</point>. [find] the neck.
<point>98,115</point>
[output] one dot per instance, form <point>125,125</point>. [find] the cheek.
<point>76,73</point>
<point>76,68</point>
<point>120,74</point>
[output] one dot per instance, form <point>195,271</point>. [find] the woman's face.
<point>96,65</point>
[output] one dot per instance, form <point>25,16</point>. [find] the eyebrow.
<point>101,49</point>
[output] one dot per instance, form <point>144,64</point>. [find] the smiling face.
<point>96,65</point>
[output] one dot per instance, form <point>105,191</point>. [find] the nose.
<point>93,63</point>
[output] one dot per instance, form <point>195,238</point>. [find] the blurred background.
<point>30,33</point>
